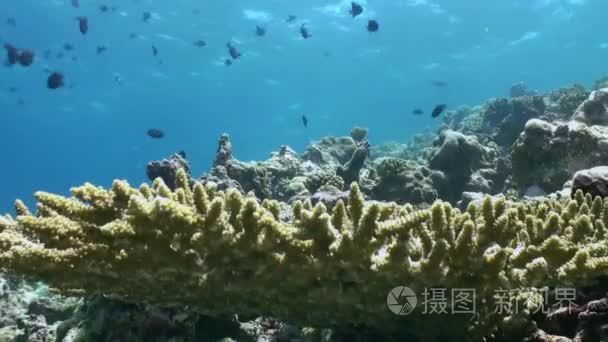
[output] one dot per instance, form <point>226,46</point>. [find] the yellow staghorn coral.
<point>222,253</point>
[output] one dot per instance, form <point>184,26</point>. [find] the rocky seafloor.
<point>529,146</point>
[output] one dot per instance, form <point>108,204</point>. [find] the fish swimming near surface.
<point>440,84</point>
<point>146,16</point>
<point>200,43</point>
<point>373,25</point>
<point>291,18</point>
<point>55,80</point>
<point>11,22</point>
<point>304,32</point>
<point>227,62</point>
<point>438,110</point>
<point>260,31</point>
<point>154,51</point>
<point>83,24</point>
<point>68,47</point>
<point>355,9</point>
<point>12,54</point>
<point>417,111</point>
<point>26,58</point>
<point>155,133</point>
<point>233,51</point>
<point>101,49</point>
<point>304,120</point>
<point>103,8</point>
<point>75,3</point>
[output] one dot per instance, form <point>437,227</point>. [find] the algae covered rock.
<point>333,151</point>
<point>508,117</point>
<point>404,181</point>
<point>594,110</point>
<point>167,168</point>
<point>548,154</point>
<point>565,101</point>
<point>593,181</point>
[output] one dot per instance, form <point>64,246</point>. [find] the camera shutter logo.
<point>401,300</point>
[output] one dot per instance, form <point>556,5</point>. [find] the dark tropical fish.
<point>260,31</point>
<point>146,16</point>
<point>11,22</point>
<point>372,25</point>
<point>12,54</point>
<point>75,3</point>
<point>133,35</point>
<point>200,43</point>
<point>55,80</point>
<point>438,110</point>
<point>182,153</point>
<point>103,8</point>
<point>355,9</point>
<point>101,49</point>
<point>156,133</point>
<point>326,53</point>
<point>417,111</point>
<point>227,62</point>
<point>68,47</point>
<point>154,51</point>
<point>304,120</point>
<point>304,32</point>
<point>26,58</point>
<point>12,89</point>
<point>83,24</point>
<point>440,84</point>
<point>233,51</point>
<point>291,18</point>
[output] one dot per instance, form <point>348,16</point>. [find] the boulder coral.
<point>223,253</point>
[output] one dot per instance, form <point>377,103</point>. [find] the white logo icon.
<point>401,300</point>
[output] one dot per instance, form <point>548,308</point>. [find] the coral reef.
<point>230,254</point>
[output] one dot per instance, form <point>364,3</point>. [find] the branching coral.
<point>223,253</point>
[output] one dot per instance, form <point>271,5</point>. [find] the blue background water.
<point>95,130</point>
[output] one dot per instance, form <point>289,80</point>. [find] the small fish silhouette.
<point>438,110</point>
<point>83,24</point>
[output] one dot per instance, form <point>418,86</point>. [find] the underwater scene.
<point>315,171</point>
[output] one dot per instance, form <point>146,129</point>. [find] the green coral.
<point>223,253</point>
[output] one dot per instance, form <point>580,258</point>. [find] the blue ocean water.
<point>94,129</point>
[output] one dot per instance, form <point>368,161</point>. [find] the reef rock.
<point>593,181</point>
<point>331,151</point>
<point>166,169</point>
<point>507,117</point>
<point>564,101</point>
<point>594,110</point>
<point>404,181</point>
<point>548,154</point>
<point>350,171</point>
<point>456,155</point>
